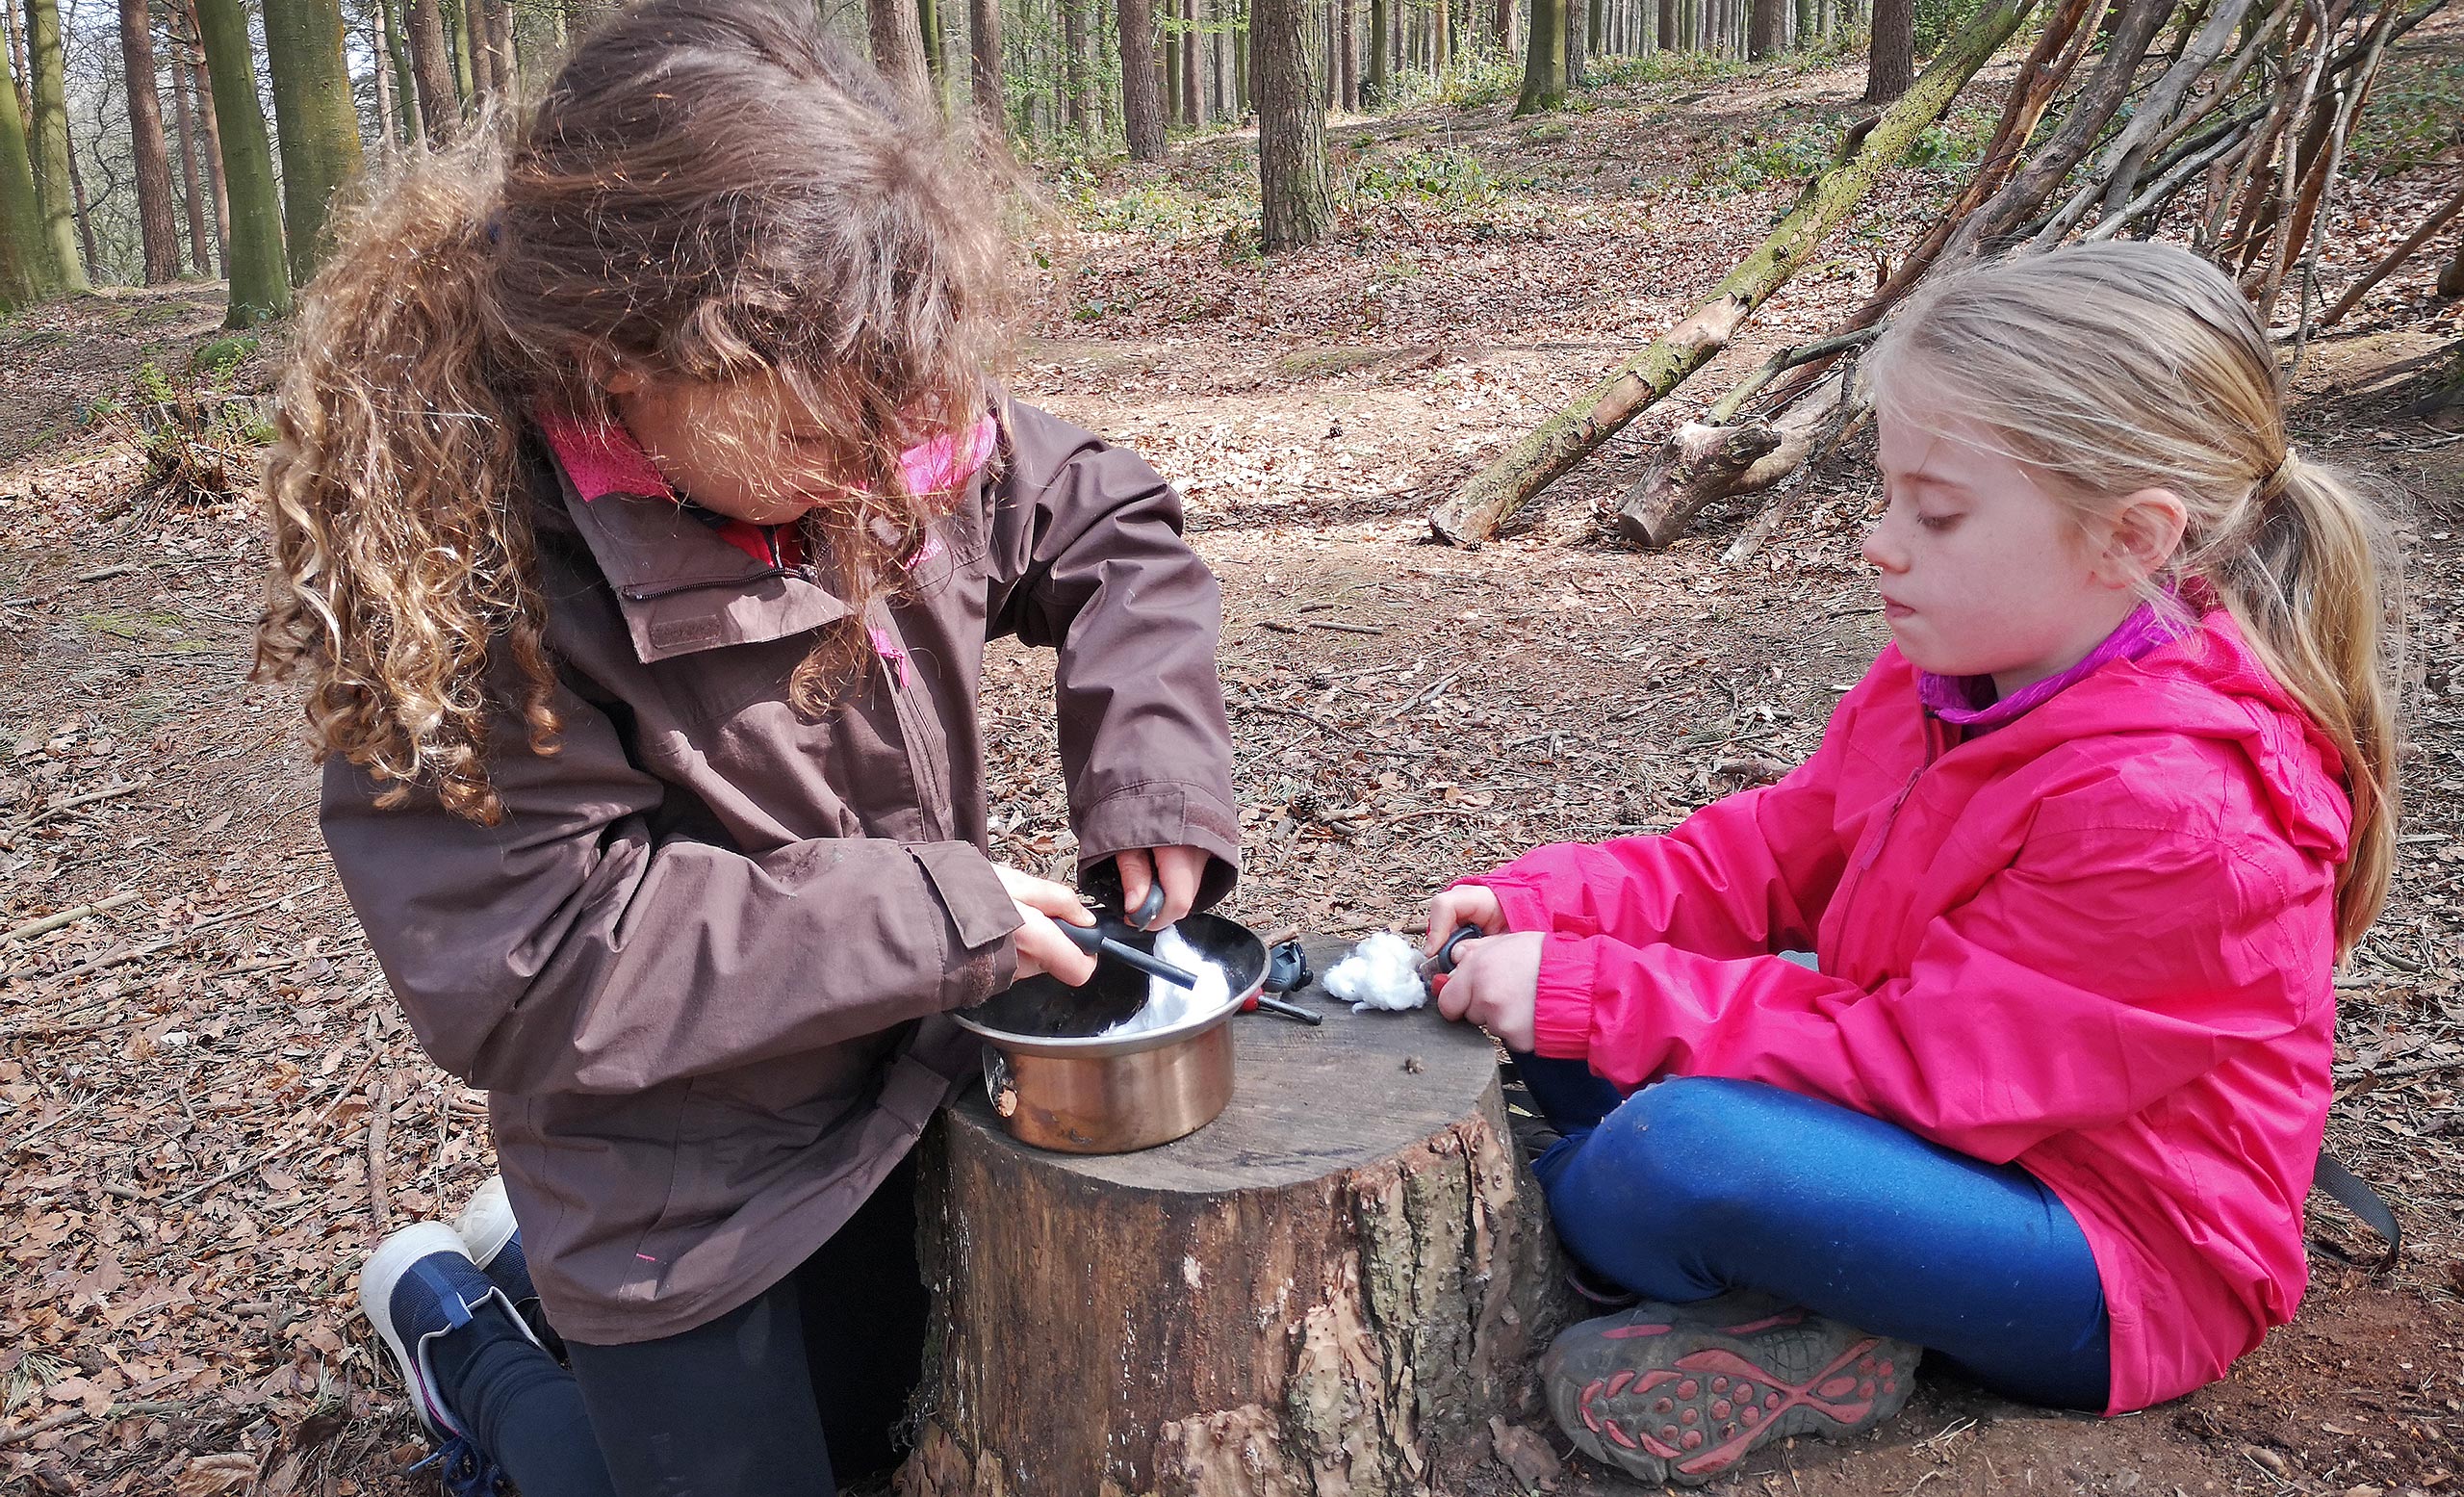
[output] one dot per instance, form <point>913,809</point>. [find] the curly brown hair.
<point>708,191</point>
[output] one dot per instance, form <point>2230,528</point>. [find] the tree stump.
<point>1333,1288</point>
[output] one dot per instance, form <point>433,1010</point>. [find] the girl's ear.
<point>621,382</point>
<point>2146,531</point>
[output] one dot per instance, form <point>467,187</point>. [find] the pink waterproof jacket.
<point>2097,942</point>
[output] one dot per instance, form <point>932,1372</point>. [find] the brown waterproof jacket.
<point>703,965</point>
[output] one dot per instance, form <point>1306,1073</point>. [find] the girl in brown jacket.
<point>640,516</point>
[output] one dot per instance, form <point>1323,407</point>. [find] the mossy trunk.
<point>1544,61</point>
<point>53,189</point>
<point>260,284</point>
<point>27,272</point>
<point>1472,514</point>
<point>315,119</point>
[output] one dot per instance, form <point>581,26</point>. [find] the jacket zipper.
<point>1935,749</point>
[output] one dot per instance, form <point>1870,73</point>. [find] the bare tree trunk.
<point>897,34</point>
<point>404,126</point>
<point>315,124</point>
<point>210,127</point>
<point>1578,53</point>
<point>2451,281</point>
<point>1348,57</point>
<point>984,38</point>
<point>1141,103</point>
<point>1762,37</point>
<point>1544,63</point>
<point>201,231</point>
<point>1441,34</point>
<point>1291,124</point>
<point>432,71</point>
<point>481,83</point>
<point>1893,65</point>
<point>379,77</point>
<point>1667,25</point>
<point>54,164</point>
<point>1501,31</point>
<point>157,225</point>
<point>1192,94</point>
<point>1074,66</point>
<point>260,281</point>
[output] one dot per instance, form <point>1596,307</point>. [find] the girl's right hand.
<point>1042,946</point>
<point>1470,904</point>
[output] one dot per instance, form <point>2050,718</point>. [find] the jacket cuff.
<point>1164,813</point>
<point>1521,905</point>
<point>981,913</point>
<point>1563,1004</point>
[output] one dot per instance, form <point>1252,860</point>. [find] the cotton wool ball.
<point>1381,972</point>
<point>1167,1003</point>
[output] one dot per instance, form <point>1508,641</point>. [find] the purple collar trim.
<point>1969,701</point>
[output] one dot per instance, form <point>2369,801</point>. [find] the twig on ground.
<point>380,1117</point>
<point>70,916</point>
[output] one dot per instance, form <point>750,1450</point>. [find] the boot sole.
<point>1708,1409</point>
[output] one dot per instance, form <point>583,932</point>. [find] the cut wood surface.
<point>1334,1286</point>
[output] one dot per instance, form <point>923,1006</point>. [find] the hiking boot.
<point>494,1240</point>
<point>1679,1393</point>
<point>419,1285</point>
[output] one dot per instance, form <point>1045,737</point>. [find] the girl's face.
<point>743,448</point>
<point>1984,572</point>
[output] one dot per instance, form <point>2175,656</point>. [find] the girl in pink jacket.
<point>2075,860</point>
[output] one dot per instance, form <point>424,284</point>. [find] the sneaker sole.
<point>1694,1419</point>
<point>384,1269</point>
<point>486,1225</point>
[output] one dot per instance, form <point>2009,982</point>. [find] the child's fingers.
<point>1180,869</point>
<point>1045,897</point>
<point>1137,877</point>
<point>1043,945</point>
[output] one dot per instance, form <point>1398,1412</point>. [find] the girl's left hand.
<point>1181,869</point>
<point>1496,985</point>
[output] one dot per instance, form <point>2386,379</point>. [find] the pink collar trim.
<point>603,458</point>
<point>1969,701</point>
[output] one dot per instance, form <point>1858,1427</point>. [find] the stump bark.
<point>1331,1289</point>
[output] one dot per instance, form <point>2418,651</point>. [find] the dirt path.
<point>209,1106</point>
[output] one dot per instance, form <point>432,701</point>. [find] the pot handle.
<point>999,1086</point>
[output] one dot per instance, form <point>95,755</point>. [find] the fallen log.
<point>1704,463</point>
<point>1472,514</point>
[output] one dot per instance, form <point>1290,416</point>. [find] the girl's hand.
<point>1469,905</point>
<point>1495,984</point>
<point>1181,868</point>
<point>1042,946</point>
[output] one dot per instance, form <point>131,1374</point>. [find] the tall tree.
<point>1502,30</point>
<point>1192,85</point>
<point>315,120</point>
<point>1073,67</point>
<point>1577,51</point>
<point>1762,28</point>
<point>27,269</point>
<point>158,227</point>
<point>1544,61</point>
<point>1373,92</point>
<point>478,79</point>
<point>1892,66</point>
<point>1291,124</point>
<point>398,50</point>
<point>1346,61</point>
<point>54,186</point>
<point>1141,102</point>
<point>897,34</point>
<point>1665,26</point>
<point>380,77</point>
<point>983,42</point>
<point>260,284</point>
<point>432,72</point>
<point>184,120</point>
<point>210,128</point>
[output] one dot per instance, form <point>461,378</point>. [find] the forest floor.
<point>210,1107</point>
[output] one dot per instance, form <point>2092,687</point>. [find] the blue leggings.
<point>1698,1185</point>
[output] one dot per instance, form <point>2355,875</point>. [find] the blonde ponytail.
<point>2308,586</point>
<point>2111,369</point>
<point>402,536</point>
